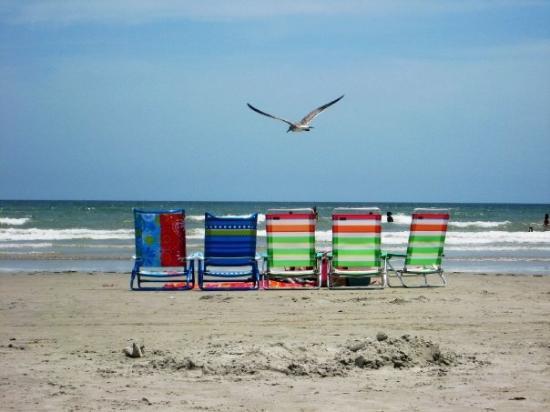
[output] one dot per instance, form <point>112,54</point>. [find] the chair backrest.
<point>230,240</point>
<point>356,238</point>
<point>160,237</point>
<point>291,238</point>
<point>427,237</point>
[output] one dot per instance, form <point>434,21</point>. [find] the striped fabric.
<point>230,239</point>
<point>160,238</point>
<point>426,240</point>
<point>356,239</point>
<point>290,238</point>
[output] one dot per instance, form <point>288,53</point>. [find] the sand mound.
<point>405,352</point>
<point>315,359</point>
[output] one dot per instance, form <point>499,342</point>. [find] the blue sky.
<point>446,101</point>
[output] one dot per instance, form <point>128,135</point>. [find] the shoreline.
<point>124,267</point>
<point>98,263</point>
<point>481,343</point>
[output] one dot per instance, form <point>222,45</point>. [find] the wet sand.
<point>482,344</point>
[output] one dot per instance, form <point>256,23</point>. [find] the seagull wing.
<point>269,115</point>
<point>311,115</point>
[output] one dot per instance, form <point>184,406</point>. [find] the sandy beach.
<point>482,343</point>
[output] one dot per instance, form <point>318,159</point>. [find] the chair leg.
<point>389,268</point>
<point>388,280</point>
<point>200,280</point>
<point>132,279</point>
<point>426,284</point>
<point>400,277</point>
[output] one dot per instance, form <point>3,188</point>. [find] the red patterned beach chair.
<point>161,262</point>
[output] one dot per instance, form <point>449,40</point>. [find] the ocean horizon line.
<point>313,202</point>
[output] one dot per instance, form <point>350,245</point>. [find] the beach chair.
<point>229,261</point>
<point>425,249</point>
<point>160,261</point>
<point>356,254</point>
<point>291,261</point>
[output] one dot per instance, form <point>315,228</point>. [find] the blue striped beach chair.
<point>229,261</point>
<point>291,259</point>
<point>425,249</point>
<point>356,254</point>
<point>161,262</point>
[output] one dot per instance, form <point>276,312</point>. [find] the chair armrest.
<point>260,257</point>
<point>386,255</point>
<point>197,255</point>
<point>261,261</point>
<point>199,258</point>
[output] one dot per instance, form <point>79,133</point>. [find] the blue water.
<point>98,236</point>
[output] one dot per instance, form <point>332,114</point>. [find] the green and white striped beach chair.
<point>356,255</point>
<point>291,259</point>
<point>425,249</point>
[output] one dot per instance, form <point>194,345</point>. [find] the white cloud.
<point>144,11</point>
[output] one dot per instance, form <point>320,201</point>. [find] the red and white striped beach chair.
<point>356,255</point>
<point>291,259</point>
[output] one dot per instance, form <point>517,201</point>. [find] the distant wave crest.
<point>477,238</point>
<point>34,234</point>
<point>479,224</point>
<point>14,221</point>
<point>488,238</point>
<point>400,219</point>
<point>26,245</point>
<point>403,219</point>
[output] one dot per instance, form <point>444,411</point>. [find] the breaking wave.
<point>403,219</point>
<point>34,234</point>
<point>14,221</point>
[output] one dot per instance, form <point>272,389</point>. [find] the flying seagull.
<point>302,125</point>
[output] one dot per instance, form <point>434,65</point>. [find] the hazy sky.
<point>146,100</point>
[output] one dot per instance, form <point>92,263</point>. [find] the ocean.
<point>95,236</point>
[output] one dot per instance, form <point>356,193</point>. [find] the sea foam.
<point>402,219</point>
<point>34,234</point>
<point>14,221</point>
<point>25,245</point>
<point>467,240</point>
<point>479,224</point>
<point>453,238</point>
